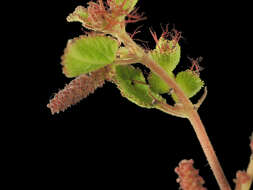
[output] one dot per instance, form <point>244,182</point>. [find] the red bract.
<point>173,36</point>
<point>105,16</point>
<point>96,14</point>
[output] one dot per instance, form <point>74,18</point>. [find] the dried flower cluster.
<point>78,89</point>
<point>189,178</point>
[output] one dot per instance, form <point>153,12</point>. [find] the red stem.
<point>208,150</point>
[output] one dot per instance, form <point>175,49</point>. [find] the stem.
<point>208,150</point>
<point>126,61</point>
<point>188,109</point>
<point>196,123</point>
<point>172,110</point>
<point>148,62</point>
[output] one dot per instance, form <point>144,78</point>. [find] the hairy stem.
<point>196,123</point>
<point>208,150</point>
<point>188,109</point>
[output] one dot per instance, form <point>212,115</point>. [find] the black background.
<point>107,142</point>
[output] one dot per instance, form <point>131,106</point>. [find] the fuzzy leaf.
<point>79,15</point>
<point>88,53</point>
<point>157,85</point>
<point>189,82</point>
<point>132,85</point>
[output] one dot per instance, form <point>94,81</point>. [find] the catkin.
<point>78,89</point>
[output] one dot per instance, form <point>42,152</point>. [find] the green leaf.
<point>157,85</point>
<point>79,15</point>
<point>132,85</point>
<point>189,82</point>
<point>88,53</point>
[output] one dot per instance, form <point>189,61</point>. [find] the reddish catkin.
<point>78,89</point>
<point>189,178</point>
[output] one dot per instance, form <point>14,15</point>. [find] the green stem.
<point>188,109</point>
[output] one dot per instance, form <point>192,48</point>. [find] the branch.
<point>188,109</point>
<point>172,110</point>
<point>126,61</point>
<point>208,150</point>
